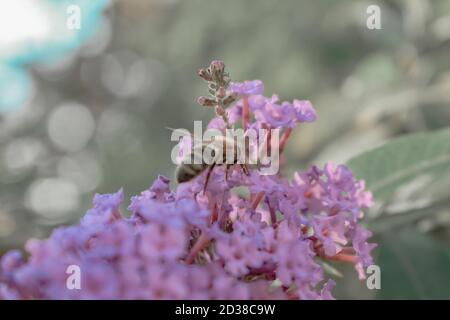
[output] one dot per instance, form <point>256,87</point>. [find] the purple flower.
<point>247,88</point>
<point>276,115</point>
<point>258,102</point>
<point>325,293</point>
<point>230,241</point>
<point>304,111</point>
<point>241,250</point>
<point>158,192</point>
<point>281,114</point>
<point>296,265</point>
<point>106,209</point>
<point>162,243</point>
<point>362,248</point>
<point>142,257</point>
<point>234,115</point>
<point>12,260</point>
<point>330,230</point>
<point>217,123</point>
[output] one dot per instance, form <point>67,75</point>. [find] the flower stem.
<point>273,216</point>
<point>343,258</point>
<point>202,241</point>
<point>257,199</point>
<point>284,139</point>
<point>348,250</point>
<point>245,113</point>
<point>215,213</point>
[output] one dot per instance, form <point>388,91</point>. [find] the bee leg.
<point>245,169</point>
<point>210,169</point>
<point>227,169</point>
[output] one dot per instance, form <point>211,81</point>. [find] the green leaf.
<point>413,266</point>
<point>387,222</point>
<point>401,160</point>
<point>332,271</point>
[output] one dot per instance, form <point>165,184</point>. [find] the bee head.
<point>183,174</point>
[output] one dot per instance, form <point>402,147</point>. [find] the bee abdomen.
<point>186,172</point>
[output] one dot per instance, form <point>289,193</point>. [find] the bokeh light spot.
<point>70,126</point>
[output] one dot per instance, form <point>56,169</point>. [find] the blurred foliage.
<point>403,170</point>
<point>407,177</point>
<point>97,118</point>
<point>413,266</point>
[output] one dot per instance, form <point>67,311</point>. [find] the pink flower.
<point>304,111</point>
<point>330,230</point>
<point>247,88</point>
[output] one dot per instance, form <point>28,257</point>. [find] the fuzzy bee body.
<point>193,164</point>
<point>187,172</point>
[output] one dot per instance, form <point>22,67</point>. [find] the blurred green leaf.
<point>399,219</point>
<point>332,271</point>
<point>401,160</point>
<point>413,266</point>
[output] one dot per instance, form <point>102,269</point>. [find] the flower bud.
<point>220,93</point>
<point>204,74</point>
<point>230,99</point>
<point>226,79</point>
<point>206,102</point>
<point>217,66</point>
<point>220,111</point>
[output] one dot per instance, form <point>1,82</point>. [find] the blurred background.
<point>84,111</point>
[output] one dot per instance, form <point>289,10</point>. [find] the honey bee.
<point>219,153</point>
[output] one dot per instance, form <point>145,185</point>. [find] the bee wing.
<point>186,134</point>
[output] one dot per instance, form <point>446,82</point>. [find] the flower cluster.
<point>249,236</point>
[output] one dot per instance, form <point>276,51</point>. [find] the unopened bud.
<point>217,66</point>
<point>226,79</point>
<point>221,93</point>
<point>204,74</point>
<point>220,111</point>
<point>230,99</point>
<point>206,102</point>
